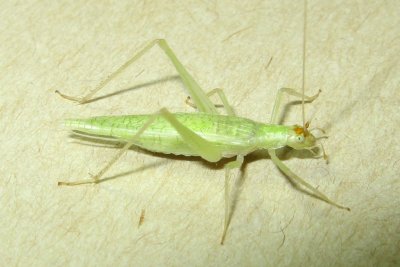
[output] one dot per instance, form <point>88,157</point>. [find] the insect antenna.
<point>304,66</point>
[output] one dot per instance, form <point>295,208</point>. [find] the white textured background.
<point>353,56</point>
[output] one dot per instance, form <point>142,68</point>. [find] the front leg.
<point>298,180</point>
<point>278,101</point>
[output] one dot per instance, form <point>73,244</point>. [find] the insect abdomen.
<point>231,134</point>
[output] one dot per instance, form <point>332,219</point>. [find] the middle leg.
<point>237,164</point>
<point>225,103</point>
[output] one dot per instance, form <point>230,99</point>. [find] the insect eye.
<point>300,138</point>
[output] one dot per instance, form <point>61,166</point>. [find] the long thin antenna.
<point>304,62</point>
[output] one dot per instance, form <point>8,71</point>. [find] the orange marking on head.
<point>298,130</point>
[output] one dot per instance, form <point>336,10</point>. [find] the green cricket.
<point>206,133</point>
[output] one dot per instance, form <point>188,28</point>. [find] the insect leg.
<point>231,165</point>
<point>207,150</point>
<point>204,148</point>
<point>289,91</point>
<point>225,103</point>
<point>298,180</point>
<point>198,95</point>
<point>96,178</point>
<point>88,97</point>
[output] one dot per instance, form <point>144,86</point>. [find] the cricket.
<point>205,133</point>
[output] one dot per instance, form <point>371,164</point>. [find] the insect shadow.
<point>136,87</point>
